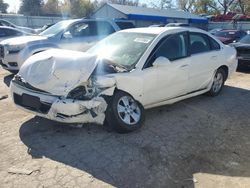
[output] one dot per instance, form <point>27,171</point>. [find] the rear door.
<point>205,57</point>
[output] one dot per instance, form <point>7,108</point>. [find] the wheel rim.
<point>128,110</point>
<point>218,81</point>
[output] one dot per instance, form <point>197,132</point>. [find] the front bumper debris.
<point>58,109</point>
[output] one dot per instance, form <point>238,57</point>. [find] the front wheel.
<point>218,83</point>
<point>124,114</point>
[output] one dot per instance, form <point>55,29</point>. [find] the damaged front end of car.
<point>86,103</point>
<point>74,93</point>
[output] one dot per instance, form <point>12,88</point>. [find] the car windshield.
<point>123,48</point>
<point>245,39</point>
<point>57,28</point>
<point>225,34</point>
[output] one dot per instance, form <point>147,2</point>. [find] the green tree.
<point>81,8</point>
<point>186,5</point>
<point>161,4</point>
<point>243,6</point>
<point>3,6</point>
<point>225,5</point>
<point>31,7</point>
<point>206,7</point>
<point>51,7</point>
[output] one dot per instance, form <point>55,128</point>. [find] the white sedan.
<point>129,71</point>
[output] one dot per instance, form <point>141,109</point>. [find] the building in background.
<point>144,17</point>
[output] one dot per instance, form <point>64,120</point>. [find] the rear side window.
<point>125,25</point>
<point>199,43</point>
<point>104,28</point>
<point>214,45</point>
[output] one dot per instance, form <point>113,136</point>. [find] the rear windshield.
<point>246,39</point>
<point>226,34</point>
<point>125,25</point>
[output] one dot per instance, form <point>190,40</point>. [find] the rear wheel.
<point>218,82</point>
<point>124,113</point>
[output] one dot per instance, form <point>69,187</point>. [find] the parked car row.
<point>243,51</point>
<point>228,36</point>
<point>238,39</point>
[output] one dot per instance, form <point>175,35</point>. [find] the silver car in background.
<point>74,34</point>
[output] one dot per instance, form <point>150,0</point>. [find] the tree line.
<point>84,8</point>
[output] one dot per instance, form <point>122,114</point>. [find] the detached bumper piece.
<point>31,103</point>
<point>1,51</point>
<point>3,65</point>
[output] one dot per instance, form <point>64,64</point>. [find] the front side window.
<point>173,47</point>
<point>199,43</point>
<point>91,28</point>
<point>57,28</point>
<point>81,30</point>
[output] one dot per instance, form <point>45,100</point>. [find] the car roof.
<point>159,30</point>
<point>231,30</point>
<point>11,28</point>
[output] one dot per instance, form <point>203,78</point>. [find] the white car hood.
<point>22,40</point>
<point>58,71</point>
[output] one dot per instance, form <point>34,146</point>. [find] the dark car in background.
<point>243,51</point>
<point>228,36</point>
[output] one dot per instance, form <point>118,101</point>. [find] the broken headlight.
<point>77,93</point>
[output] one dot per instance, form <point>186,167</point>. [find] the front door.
<point>166,75</point>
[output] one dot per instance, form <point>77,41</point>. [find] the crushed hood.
<point>23,40</point>
<point>58,71</point>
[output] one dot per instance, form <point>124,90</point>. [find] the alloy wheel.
<point>128,110</point>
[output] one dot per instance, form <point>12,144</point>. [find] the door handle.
<point>214,57</point>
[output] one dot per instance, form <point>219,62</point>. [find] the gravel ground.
<point>199,142</point>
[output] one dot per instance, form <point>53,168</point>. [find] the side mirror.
<point>161,61</point>
<point>67,35</point>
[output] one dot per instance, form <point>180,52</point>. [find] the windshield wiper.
<point>117,66</point>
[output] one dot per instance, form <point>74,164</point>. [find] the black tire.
<point>217,85</point>
<point>116,120</point>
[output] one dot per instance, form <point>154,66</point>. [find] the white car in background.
<point>75,34</point>
<point>12,25</point>
<point>9,32</point>
<point>122,75</point>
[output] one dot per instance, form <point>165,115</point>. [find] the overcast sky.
<point>14,4</point>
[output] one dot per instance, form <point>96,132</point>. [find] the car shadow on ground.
<point>7,79</point>
<point>198,135</point>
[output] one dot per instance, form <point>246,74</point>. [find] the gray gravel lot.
<point>199,142</point>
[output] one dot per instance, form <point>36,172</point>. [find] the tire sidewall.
<point>114,119</point>
<point>211,92</point>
